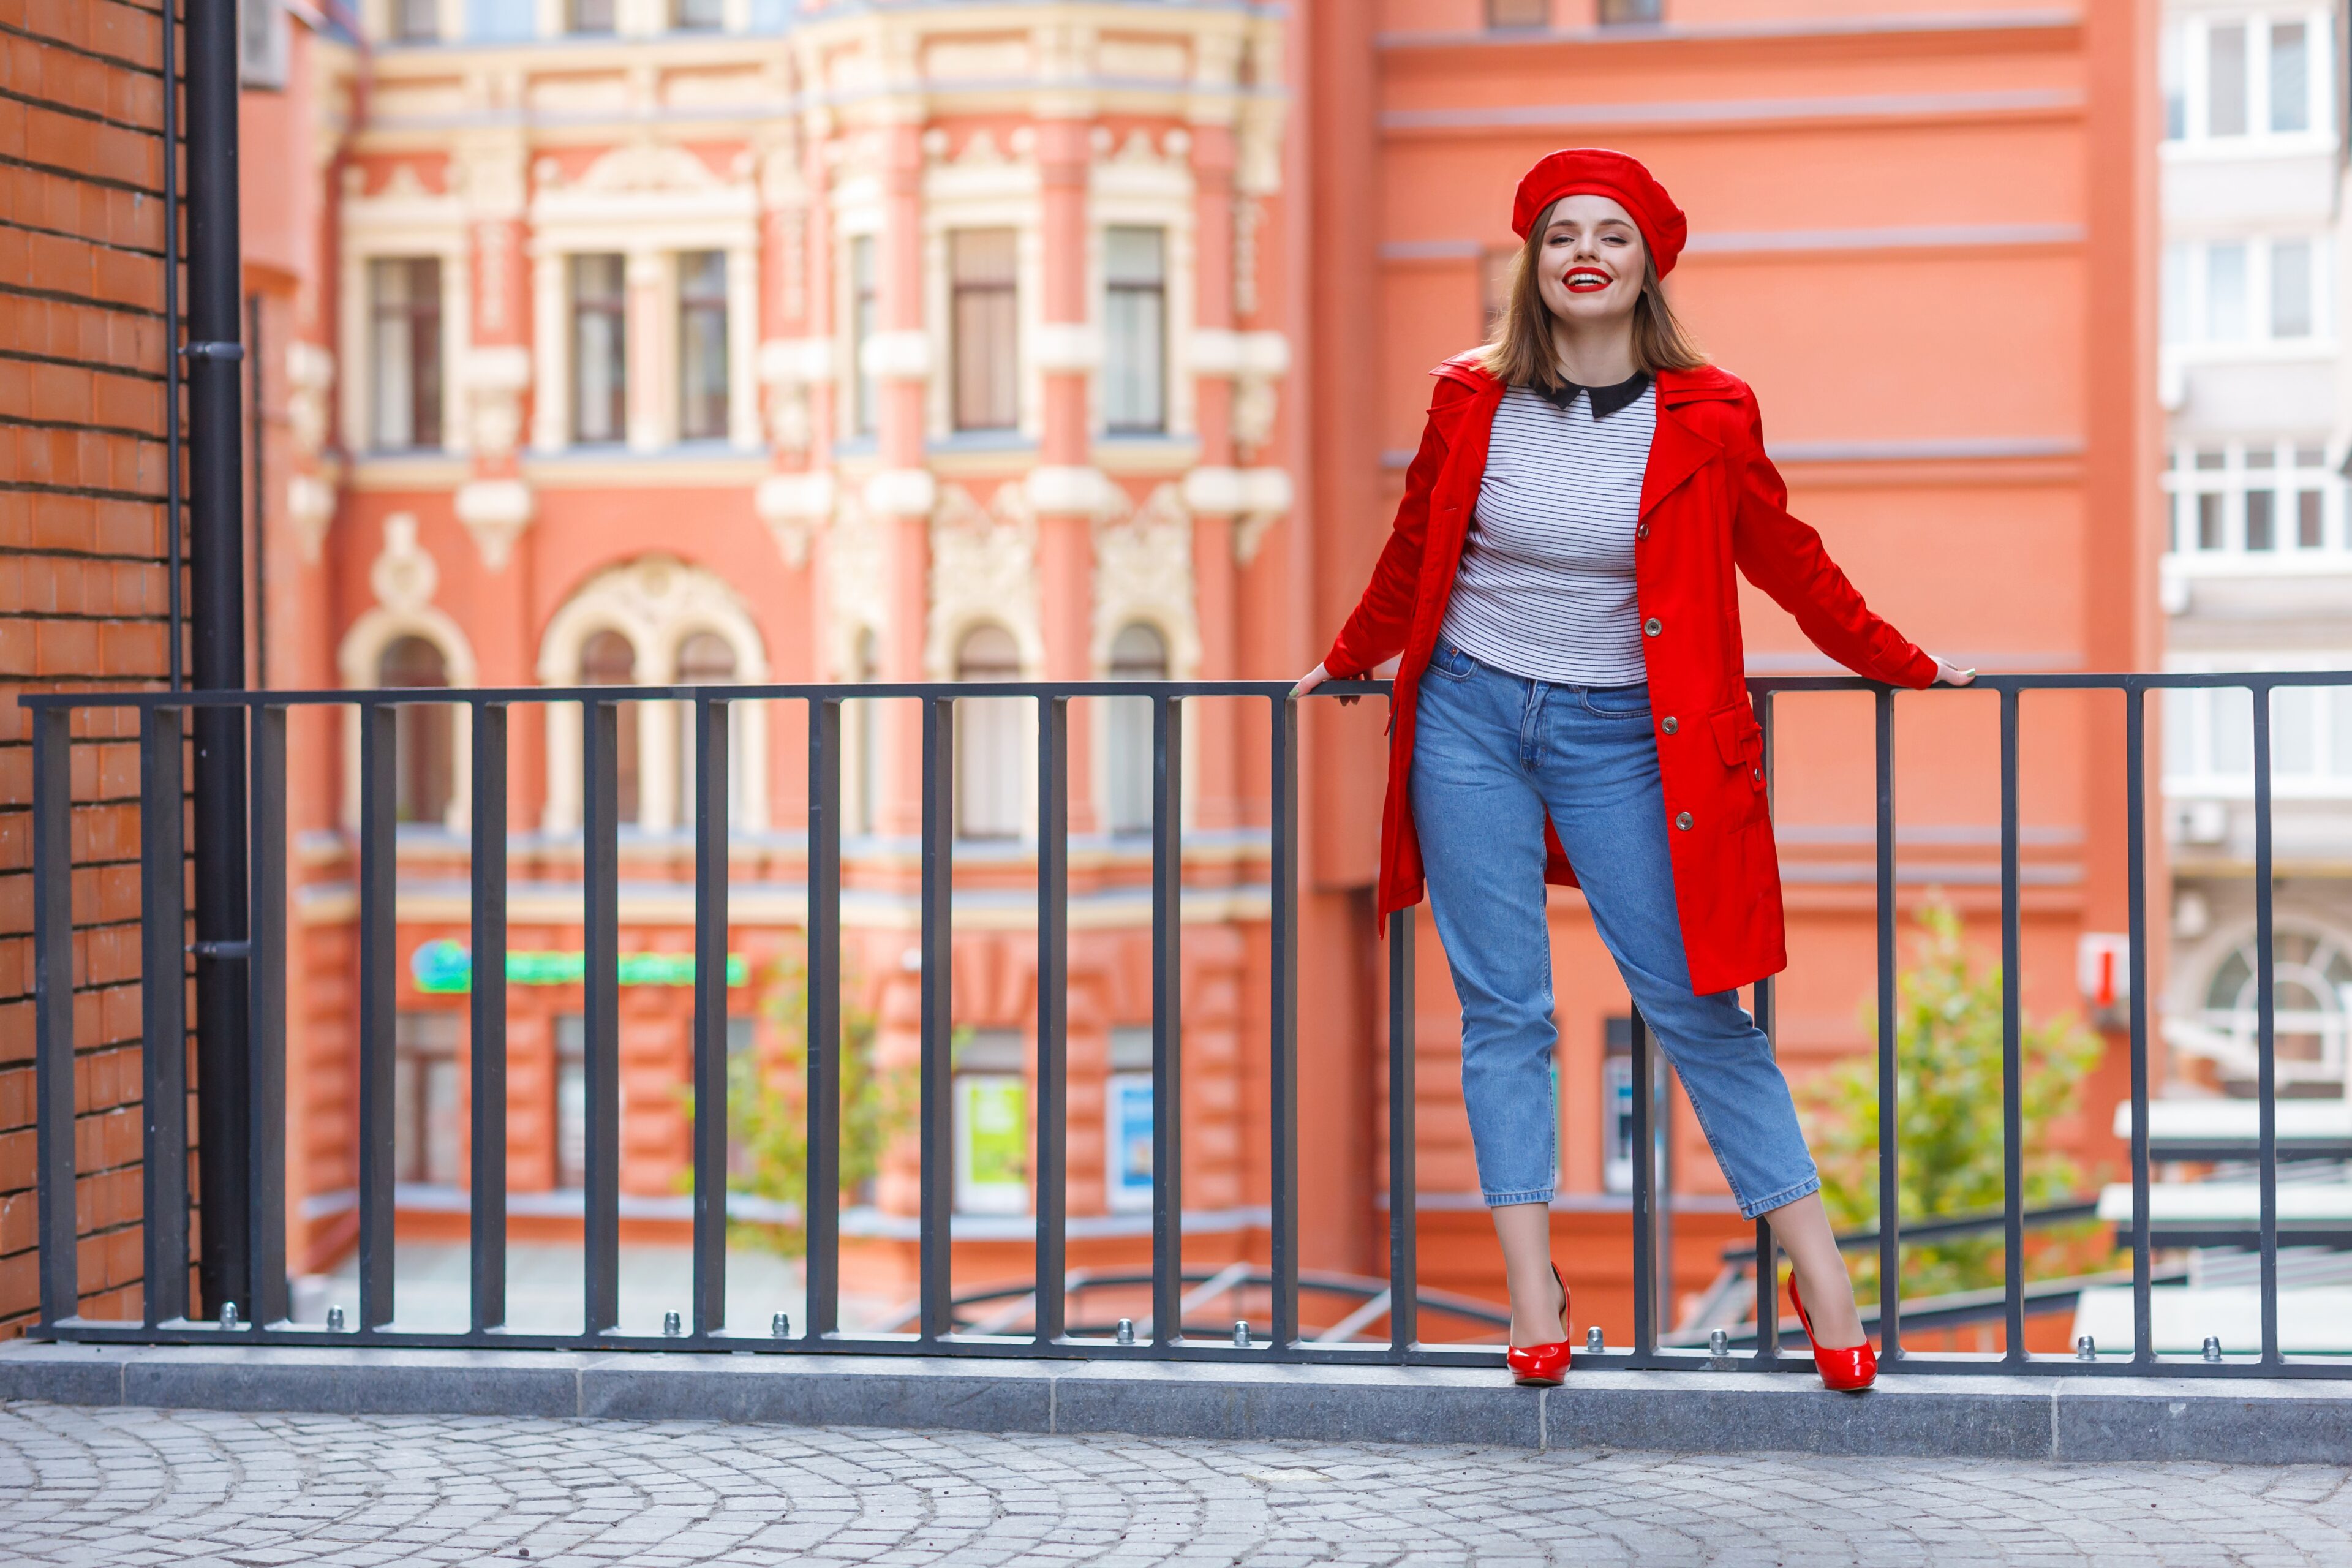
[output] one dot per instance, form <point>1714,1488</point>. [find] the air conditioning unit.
<point>2199,822</point>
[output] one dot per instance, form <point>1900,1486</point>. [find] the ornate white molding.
<point>310,507</point>
<point>1062,347</point>
<point>857,584</point>
<point>983,570</point>
<point>902,492</point>
<point>1265,495</point>
<point>495,380</point>
<point>1060,490</point>
<point>496,512</point>
<point>897,356</point>
<point>792,505</point>
<point>404,578</point>
<point>788,367</point>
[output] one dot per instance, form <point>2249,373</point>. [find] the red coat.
<point>1711,499</point>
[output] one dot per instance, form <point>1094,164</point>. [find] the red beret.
<point>1597,172</point>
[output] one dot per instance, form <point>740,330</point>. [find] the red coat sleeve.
<point>1784,557</point>
<point>1384,617</point>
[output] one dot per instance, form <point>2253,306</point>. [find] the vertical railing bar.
<point>2135,884</point>
<point>53,1010</point>
<point>821,1198</point>
<point>1768,1256</point>
<point>379,887</point>
<point>1404,1194</point>
<point>2266,1017</point>
<point>1890,1153</point>
<point>600,1014</point>
<point>1053,1010</point>
<point>711,767</point>
<point>487,870</point>
<point>936,1113</point>
<point>1643,1157</point>
<point>1662,1207</point>
<point>2012,1042</point>
<point>266,1289</point>
<point>163,1031</point>
<point>1281,1180</point>
<point>1167,1023</point>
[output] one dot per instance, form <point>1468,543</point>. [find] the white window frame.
<point>2194,34</point>
<point>2194,709</point>
<point>2188,258</point>
<point>2183,482</point>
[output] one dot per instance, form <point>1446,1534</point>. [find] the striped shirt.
<point>1545,590</point>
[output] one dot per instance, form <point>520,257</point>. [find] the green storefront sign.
<point>446,968</point>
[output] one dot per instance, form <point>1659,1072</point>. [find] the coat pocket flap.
<point>1738,738</point>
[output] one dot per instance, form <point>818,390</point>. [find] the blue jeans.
<point>1492,754</point>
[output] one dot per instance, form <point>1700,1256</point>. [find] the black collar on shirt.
<point>1606,400</point>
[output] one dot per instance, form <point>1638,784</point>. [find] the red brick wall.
<point>83,584</point>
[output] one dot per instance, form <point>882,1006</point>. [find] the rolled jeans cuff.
<point>1531,1195</point>
<point>1785,1196</point>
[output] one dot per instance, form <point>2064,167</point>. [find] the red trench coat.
<point>1711,499</point>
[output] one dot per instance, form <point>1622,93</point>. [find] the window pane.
<point>865,320</point>
<point>1518,13</point>
<point>706,658</point>
<point>2209,523</point>
<point>2291,288</point>
<point>424,747</point>
<point>985,328</point>
<point>701,15</point>
<point>2260,505</point>
<point>608,659</point>
<point>406,347</point>
<point>1615,12</point>
<point>1134,331</point>
<point>570,1100</point>
<point>2339,731</point>
<point>2308,515</point>
<point>702,345</point>
<point>599,349</point>
<point>2225,80</point>
<point>2295,729</point>
<point>2232,714</point>
<point>2179,320</point>
<point>2290,77</point>
<point>2167,70</point>
<point>1138,652</point>
<point>591,15</point>
<point>2225,293</point>
<point>2180,731</point>
<point>987,738</point>
<point>415,21</point>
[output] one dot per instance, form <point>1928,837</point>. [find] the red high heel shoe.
<point>1542,1366</point>
<point>1849,1369</point>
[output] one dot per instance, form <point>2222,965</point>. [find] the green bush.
<point>1948,1052</point>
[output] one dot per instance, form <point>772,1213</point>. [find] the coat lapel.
<point>1677,452</point>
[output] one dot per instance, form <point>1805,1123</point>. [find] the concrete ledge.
<point>2084,1419</point>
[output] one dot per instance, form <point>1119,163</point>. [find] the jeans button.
<point>1671,726</point>
<point>1652,627</point>
<point>1683,822</point>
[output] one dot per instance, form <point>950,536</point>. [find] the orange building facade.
<point>634,344</point>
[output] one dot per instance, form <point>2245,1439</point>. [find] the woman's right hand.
<point>1313,678</point>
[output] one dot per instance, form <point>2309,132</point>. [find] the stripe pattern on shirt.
<point>1545,590</point>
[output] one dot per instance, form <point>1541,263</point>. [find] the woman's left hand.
<point>1949,674</point>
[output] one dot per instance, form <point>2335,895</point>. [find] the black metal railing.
<point>936,1325</point>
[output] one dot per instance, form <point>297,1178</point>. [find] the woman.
<point>1571,693</point>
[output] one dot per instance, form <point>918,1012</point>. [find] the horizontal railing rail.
<point>264,1318</point>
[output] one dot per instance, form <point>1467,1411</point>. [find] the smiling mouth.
<point>1584,280</point>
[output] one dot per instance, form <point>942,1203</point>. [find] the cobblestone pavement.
<point>126,1486</point>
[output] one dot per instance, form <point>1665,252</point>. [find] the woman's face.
<point>1591,265</point>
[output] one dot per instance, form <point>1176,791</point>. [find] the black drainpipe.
<point>217,595</point>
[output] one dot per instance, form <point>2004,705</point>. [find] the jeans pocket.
<point>1617,702</point>
<point>1451,662</point>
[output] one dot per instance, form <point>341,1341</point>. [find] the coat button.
<point>1652,627</point>
<point>1683,822</point>
<point>1671,724</point>
<point>1642,531</point>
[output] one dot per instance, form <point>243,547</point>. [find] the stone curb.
<point>2065,1418</point>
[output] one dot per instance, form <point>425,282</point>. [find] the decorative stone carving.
<point>310,507</point>
<point>496,512</point>
<point>404,574</point>
<point>983,568</point>
<point>792,505</point>
<point>790,368</point>
<point>1143,571</point>
<point>856,573</point>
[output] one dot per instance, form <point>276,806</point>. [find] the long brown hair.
<point>1518,351</point>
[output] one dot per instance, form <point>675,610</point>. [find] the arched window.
<point>987,738</point>
<point>424,743</point>
<point>706,658</point>
<point>608,659</point>
<point>2312,976</point>
<point>1138,652</point>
